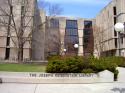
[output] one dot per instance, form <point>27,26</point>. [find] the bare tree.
<point>17,24</point>
<point>51,9</point>
<point>53,43</point>
<point>98,40</point>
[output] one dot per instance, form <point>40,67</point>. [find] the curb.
<point>0,80</point>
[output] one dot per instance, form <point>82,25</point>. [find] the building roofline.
<point>72,18</point>
<point>104,8</point>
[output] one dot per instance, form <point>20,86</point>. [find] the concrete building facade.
<point>11,14</point>
<point>48,35</point>
<point>64,32</point>
<point>106,41</point>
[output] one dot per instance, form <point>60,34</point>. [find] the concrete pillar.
<point>120,5</point>
<point>80,35</point>
<point>62,24</point>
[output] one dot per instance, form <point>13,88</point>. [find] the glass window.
<point>8,41</point>
<point>114,10</point>
<point>86,39</point>
<point>115,20</point>
<point>72,32</point>
<point>54,23</point>
<point>116,42</point>
<point>71,36</point>
<point>87,24</point>
<point>71,24</point>
<point>87,31</point>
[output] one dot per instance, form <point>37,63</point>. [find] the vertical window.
<point>115,19</point>
<point>54,23</point>
<point>115,33</point>
<point>87,31</point>
<point>22,16</point>
<point>9,23</point>
<point>7,53</point>
<point>122,40</point>
<point>88,37</point>
<point>22,10</point>
<point>87,24</point>
<point>114,10</point>
<point>115,42</point>
<point>71,24</point>
<point>124,27</point>
<point>11,9</point>
<point>71,35</point>
<point>8,41</point>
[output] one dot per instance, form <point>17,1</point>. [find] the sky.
<point>79,8</point>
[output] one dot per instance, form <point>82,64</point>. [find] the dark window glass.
<point>86,39</point>
<point>22,10</point>
<point>8,41</point>
<point>124,26</point>
<point>73,32</point>
<point>122,40</point>
<point>71,36</point>
<point>114,10</point>
<point>7,53</point>
<point>116,42</point>
<point>115,33</point>
<point>54,23</point>
<point>87,31</point>
<point>71,24</point>
<point>22,16</point>
<point>115,20</point>
<point>87,24</point>
<point>71,39</point>
<point>11,9</point>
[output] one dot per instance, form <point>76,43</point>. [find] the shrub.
<point>75,64</point>
<point>53,66</point>
<point>89,70</point>
<point>65,65</point>
<point>116,75</point>
<point>52,58</point>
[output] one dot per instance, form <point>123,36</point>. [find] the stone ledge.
<point>55,78</point>
<point>0,80</point>
<point>32,61</point>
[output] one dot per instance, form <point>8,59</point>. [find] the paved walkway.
<point>25,87</point>
<point>62,88</point>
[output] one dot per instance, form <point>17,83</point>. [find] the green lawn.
<point>22,67</point>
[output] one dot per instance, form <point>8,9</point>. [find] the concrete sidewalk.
<point>24,83</point>
<point>62,88</point>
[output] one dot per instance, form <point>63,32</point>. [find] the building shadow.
<point>120,90</point>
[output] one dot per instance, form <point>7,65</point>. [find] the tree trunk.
<point>20,50</point>
<point>20,54</point>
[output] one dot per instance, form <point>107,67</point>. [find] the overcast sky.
<point>80,8</point>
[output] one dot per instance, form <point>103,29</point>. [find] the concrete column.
<point>80,35</point>
<point>62,24</point>
<point>120,5</point>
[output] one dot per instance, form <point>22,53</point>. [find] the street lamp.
<point>123,52</point>
<point>119,27</point>
<point>76,47</point>
<point>65,50</point>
